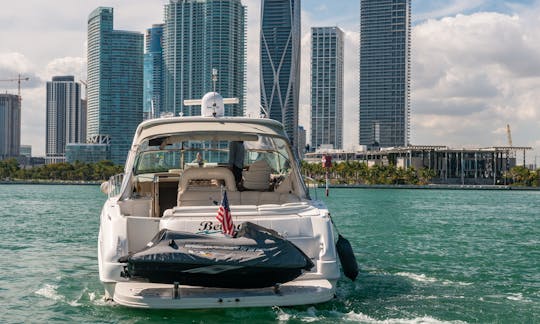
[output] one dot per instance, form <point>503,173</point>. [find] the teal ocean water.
<point>426,256</point>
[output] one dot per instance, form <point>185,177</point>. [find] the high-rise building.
<point>83,120</point>
<point>326,87</point>
<point>199,36</point>
<point>153,71</point>
<point>26,151</point>
<point>115,84</point>
<point>280,63</point>
<point>301,142</point>
<point>385,30</point>
<point>10,126</point>
<point>64,117</point>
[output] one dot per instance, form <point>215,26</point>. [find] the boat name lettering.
<point>210,226</point>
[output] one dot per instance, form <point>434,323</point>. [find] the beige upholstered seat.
<point>258,176</point>
<point>201,186</point>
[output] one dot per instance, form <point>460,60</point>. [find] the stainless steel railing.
<point>115,185</point>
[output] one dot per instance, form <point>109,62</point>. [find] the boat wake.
<point>50,291</point>
<point>311,314</point>
<point>425,279</point>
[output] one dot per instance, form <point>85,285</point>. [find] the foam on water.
<point>416,277</point>
<point>423,278</point>
<point>362,318</point>
<point>49,291</point>
<point>313,315</point>
<point>518,297</point>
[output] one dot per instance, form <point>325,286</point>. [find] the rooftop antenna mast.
<point>214,78</point>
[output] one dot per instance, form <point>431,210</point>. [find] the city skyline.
<point>66,121</point>
<point>461,93</point>
<point>280,63</point>
<point>153,71</point>
<point>326,87</point>
<point>115,83</point>
<point>385,62</point>
<point>198,37</point>
<point>10,126</point>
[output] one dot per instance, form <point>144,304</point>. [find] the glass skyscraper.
<point>115,84</point>
<point>385,30</point>
<point>199,36</point>
<point>326,87</point>
<point>64,117</point>
<point>153,71</point>
<point>280,63</point>
<point>10,126</point>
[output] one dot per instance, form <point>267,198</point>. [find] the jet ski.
<point>255,257</point>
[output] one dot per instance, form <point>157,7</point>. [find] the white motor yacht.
<point>176,174</point>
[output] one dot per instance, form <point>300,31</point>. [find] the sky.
<point>475,64</point>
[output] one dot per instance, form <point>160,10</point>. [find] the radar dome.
<point>212,105</point>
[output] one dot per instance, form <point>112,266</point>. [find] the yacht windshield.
<point>170,154</point>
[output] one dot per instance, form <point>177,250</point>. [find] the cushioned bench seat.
<point>209,197</point>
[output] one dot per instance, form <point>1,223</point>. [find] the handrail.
<point>312,181</point>
<point>115,184</point>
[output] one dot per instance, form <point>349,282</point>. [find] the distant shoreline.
<point>357,186</point>
<point>436,187</point>
<point>50,182</point>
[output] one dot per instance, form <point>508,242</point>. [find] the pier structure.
<point>478,166</point>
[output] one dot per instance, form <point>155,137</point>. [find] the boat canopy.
<point>223,128</point>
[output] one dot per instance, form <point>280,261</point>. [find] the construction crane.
<point>19,79</point>
<point>510,154</point>
<point>509,135</point>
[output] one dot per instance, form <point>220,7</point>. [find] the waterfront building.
<point>88,153</point>
<point>457,166</point>
<point>64,117</point>
<point>10,126</point>
<point>115,84</point>
<point>326,87</point>
<point>199,36</point>
<point>385,33</point>
<point>153,72</point>
<point>280,63</point>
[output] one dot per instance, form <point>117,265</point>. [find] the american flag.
<point>224,216</point>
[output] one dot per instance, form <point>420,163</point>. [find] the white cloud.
<point>472,75</point>
<point>443,8</point>
<point>65,66</point>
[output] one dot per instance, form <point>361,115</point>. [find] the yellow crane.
<point>19,79</point>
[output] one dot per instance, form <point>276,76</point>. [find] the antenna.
<point>214,81</point>
<point>212,103</point>
<point>214,78</point>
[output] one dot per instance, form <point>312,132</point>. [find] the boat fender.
<point>347,258</point>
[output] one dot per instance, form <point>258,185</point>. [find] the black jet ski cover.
<point>258,257</point>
